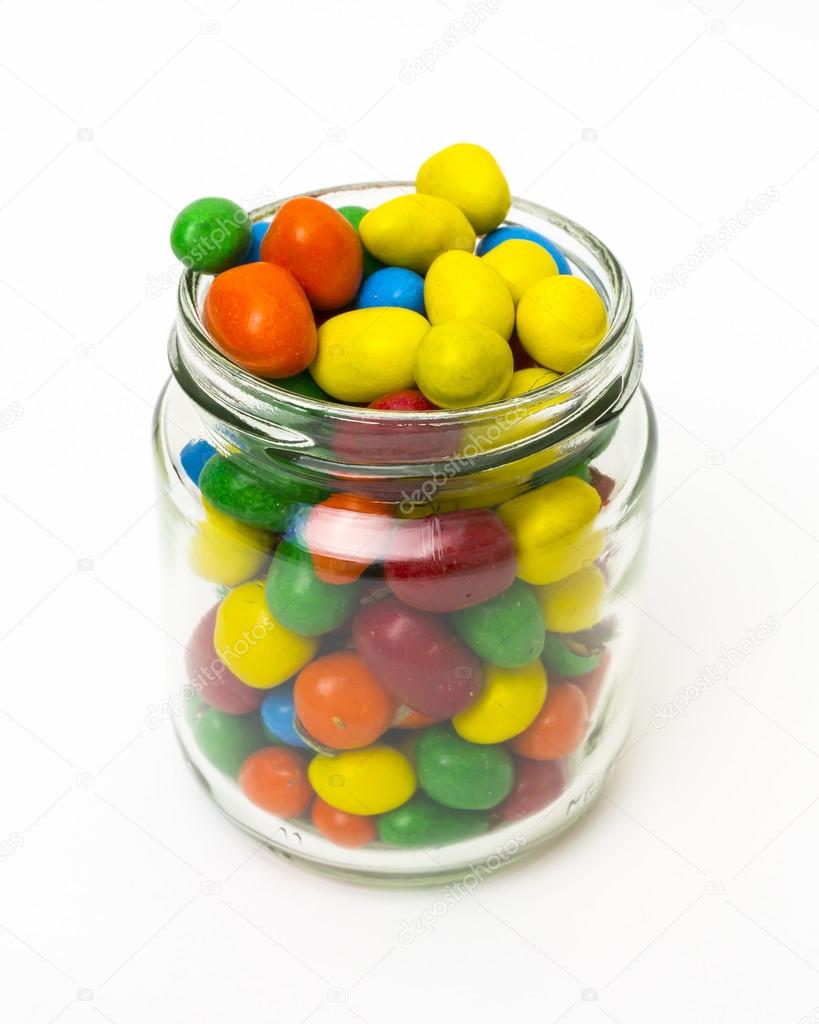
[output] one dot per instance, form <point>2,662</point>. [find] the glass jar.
<point>449,589</point>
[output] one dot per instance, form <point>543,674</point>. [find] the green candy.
<point>301,601</point>
<point>506,630</point>
<point>304,385</point>
<point>355,214</point>
<point>268,503</point>
<point>581,470</point>
<point>228,740</point>
<point>210,235</point>
<point>422,823</point>
<point>462,775</point>
<point>559,658</point>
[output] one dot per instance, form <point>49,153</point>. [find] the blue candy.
<point>278,712</point>
<point>392,286</point>
<point>259,230</point>
<point>503,234</point>
<point>194,456</point>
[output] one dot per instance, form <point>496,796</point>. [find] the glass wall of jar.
<point>402,640</point>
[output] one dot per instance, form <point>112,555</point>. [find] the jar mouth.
<point>601,386</point>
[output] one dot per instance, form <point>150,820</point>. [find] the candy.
<point>537,784</point>
<point>210,678</point>
<point>227,740</point>
<point>423,823</point>
<point>355,214</point>
<point>551,526</point>
<point>521,264</point>
<point>463,363</point>
<point>319,247</point>
<point>530,422</point>
<point>370,781</point>
<point>559,727</point>
<point>193,457</point>
<point>303,384</point>
<point>560,656</point>
<point>299,599</point>
<point>411,231</point>
<point>416,658</point>
<point>259,317</point>
<point>517,231</point>
<point>442,563</point>
<point>404,439</point>
<point>506,706</point>
<point>462,775</point>
<point>345,534</point>
<point>209,235</point>
<point>341,703</point>
<point>468,176</point>
<point>573,604</point>
<point>506,630</point>
<point>275,779</point>
<point>350,830</point>
<point>253,644</point>
<point>561,321</point>
<point>367,353</point>
<point>591,683</point>
<point>460,286</point>
<point>278,711</point>
<point>258,231</point>
<point>226,552</point>
<point>267,502</point>
<point>393,286</point>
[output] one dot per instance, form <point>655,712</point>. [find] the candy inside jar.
<point>399,539</point>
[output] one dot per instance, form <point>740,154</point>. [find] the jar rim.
<point>215,381</point>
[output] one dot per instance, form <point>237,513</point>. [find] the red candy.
<point>401,440</point>
<point>445,562</point>
<point>319,247</point>
<point>417,659</point>
<point>211,678</point>
<point>537,784</point>
<point>258,315</point>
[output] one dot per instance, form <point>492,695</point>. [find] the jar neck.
<point>266,422</point>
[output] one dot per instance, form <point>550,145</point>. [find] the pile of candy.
<point>410,680</point>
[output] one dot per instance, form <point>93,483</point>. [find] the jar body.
<point>439,664</point>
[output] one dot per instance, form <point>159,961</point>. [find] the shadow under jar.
<point>409,657</point>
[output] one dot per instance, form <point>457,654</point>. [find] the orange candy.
<point>345,534</point>
<point>341,828</point>
<point>319,247</point>
<point>340,702</point>
<point>258,315</point>
<point>275,779</point>
<point>407,718</point>
<point>559,727</point>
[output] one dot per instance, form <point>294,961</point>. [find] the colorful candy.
<point>275,779</point>
<point>227,740</point>
<point>521,264</point>
<point>506,630</point>
<point>460,286</point>
<point>345,534</point>
<point>299,599</point>
<point>573,604</point>
<point>393,286</point>
<point>537,784</point>
<point>412,231</point>
<point>211,678</point>
<point>209,235</point>
<point>278,713</point>
<point>341,703</point>
<point>468,176</point>
<point>516,231</point>
<point>559,727</point>
<point>367,353</point>
<point>370,781</point>
<point>354,215</point>
<point>560,321</point>
<point>193,457</point>
<point>423,823</point>
<point>253,644</point>
<point>462,363</point>
<point>225,551</point>
<point>341,828</point>
<point>506,706</point>
<point>259,317</point>
<point>462,775</point>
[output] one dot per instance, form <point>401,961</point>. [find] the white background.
<point>689,892</point>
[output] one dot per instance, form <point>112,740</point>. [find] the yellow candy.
<point>574,603</point>
<point>521,264</point>
<point>225,551</point>
<point>462,363</point>
<point>367,353</point>
<point>552,529</point>
<point>411,231</point>
<point>561,321</point>
<point>468,176</point>
<point>253,645</point>
<point>368,781</point>
<point>460,286</point>
<point>508,704</point>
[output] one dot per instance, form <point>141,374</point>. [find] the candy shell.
<point>561,321</point>
<point>422,823</point>
<point>460,286</point>
<point>463,363</point>
<point>506,706</point>
<point>506,630</point>
<point>468,176</point>
<point>392,286</point>
<point>210,235</point>
<point>462,775</point>
<point>517,231</point>
<point>370,781</point>
<point>411,231</point>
